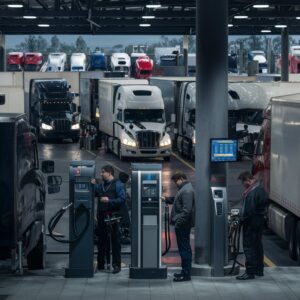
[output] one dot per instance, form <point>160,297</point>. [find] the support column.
<point>2,53</point>
<point>211,110</point>
<point>285,54</point>
<point>185,46</point>
<point>241,57</point>
<point>269,56</point>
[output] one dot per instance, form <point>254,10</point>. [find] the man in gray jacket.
<point>183,218</point>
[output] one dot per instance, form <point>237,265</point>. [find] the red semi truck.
<point>143,67</point>
<point>33,61</point>
<point>15,61</point>
<point>276,165</point>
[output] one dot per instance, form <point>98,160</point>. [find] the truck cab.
<point>143,67</point>
<point>260,57</point>
<point>52,110</point>
<point>120,62</point>
<point>22,194</point>
<point>33,61</point>
<point>98,61</point>
<point>78,62</point>
<point>15,61</point>
<point>56,62</point>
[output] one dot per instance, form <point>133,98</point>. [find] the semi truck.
<point>22,194</point>
<point>132,119</point>
<point>141,66</point>
<point>56,62</point>
<point>120,62</point>
<point>15,61</point>
<point>52,110</point>
<point>276,165</point>
<point>78,62</point>
<point>33,61</point>
<point>294,60</point>
<point>260,57</point>
<point>98,61</point>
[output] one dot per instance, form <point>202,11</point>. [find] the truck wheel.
<point>297,241</point>
<point>36,259</point>
<point>292,240</point>
<point>167,158</point>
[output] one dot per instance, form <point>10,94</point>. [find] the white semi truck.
<point>56,62</point>
<point>132,119</point>
<point>120,62</point>
<point>276,164</point>
<point>78,62</point>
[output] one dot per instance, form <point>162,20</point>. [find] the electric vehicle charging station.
<point>146,187</point>
<point>222,152</point>
<point>81,221</point>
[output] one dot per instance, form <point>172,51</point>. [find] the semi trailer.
<point>276,165</point>
<point>132,119</point>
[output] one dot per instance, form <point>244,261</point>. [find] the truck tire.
<point>292,239</point>
<point>36,259</point>
<point>297,241</point>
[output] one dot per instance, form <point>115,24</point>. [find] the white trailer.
<point>11,92</point>
<point>120,62</point>
<point>132,119</point>
<point>78,62</point>
<point>56,62</point>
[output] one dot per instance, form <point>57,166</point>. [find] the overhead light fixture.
<point>241,17</point>
<point>153,4</point>
<point>43,25</point>
<point>298,18</point>
<point>148,17</point>
<point>230,25</point>
<point>265,31</point>
<point>281,26</point>
<point>261,6</point>
<point>144,25</point>
<point>15,5</point>
<point>29,17</point>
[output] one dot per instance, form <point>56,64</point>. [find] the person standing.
<point>183,219</point>
<point>111,196</point>
<point>254,205</point>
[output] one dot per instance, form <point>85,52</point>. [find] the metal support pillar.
<point>185,47</point>
<point>241,57</point>
<point>2,53</point>
<point>269,56</point>
<point>212,94</point>
<point>284,54</point>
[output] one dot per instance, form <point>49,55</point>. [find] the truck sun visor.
<point>142,93</point>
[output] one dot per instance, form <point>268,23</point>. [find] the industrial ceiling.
<point>125,16</point>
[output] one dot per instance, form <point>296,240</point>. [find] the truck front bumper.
<point>53,134</point>
<point>147,153</point>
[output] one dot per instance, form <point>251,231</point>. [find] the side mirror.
<point>79,109</point>
<point>69,86</point>
<point>33,130</point>
<point>186,117</point>
<point>48,166</point>
<point>74,107</point>
<point>168,129</point>
<point>173,118</point>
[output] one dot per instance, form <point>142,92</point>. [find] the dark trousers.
<point>104,231</point>
<point>252,243</point>
<point>185,250</point>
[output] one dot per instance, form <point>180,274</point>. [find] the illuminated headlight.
<point>46,127</point>
<point>166,141</point>
<point>75,126</point>
<point>128,142</point>
<point>194,138</point>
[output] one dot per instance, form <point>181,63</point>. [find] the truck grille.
<point>62,125</point>
<point>148,139</point>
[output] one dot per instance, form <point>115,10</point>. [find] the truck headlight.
<point>46,127</point>
<point>128,141</point>
<point>165,141</point>
<point>194,138</point>
<point>75,126</point>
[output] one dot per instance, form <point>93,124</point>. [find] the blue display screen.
<point>223,150</point>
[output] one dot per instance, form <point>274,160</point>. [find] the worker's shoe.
<point>178,274</point>
<point>116,270</point>
<point>245,276</point>
<point>181,278</point>
<point>259,273</point>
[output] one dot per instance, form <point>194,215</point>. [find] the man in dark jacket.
<point>111,195</point>
<point>183,218</point>
<point>254,204</point>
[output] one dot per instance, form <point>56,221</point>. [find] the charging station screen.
<point>81,186</point>
<point>149,188</point>
<point>223,150</point>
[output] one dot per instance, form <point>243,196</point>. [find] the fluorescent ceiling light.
<point>148,17</point>
<point>144,25</point>
<point>153,5</point>
<point>241,17</point>
<point>15,5</point>
<point>298,18</point>
<point>280,26</point>
<point>230,25</point>
<point>43,25</point>
<point>29,17</point>
<point>265,31</point>
<point>261,6</point>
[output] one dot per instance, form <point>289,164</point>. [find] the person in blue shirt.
<point>111,196</point>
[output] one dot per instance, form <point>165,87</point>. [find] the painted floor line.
<point>183,161</point>
<point>268,262</point>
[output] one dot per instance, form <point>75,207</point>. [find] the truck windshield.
<point>56,106</point>
<point>144,115</point>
